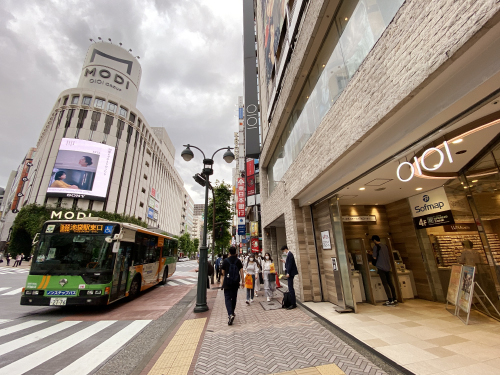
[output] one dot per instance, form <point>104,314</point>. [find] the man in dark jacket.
<point>383,264</point>
<point>232,274</point>
<point>291,272</point>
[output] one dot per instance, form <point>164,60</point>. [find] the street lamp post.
<point>187,155</point>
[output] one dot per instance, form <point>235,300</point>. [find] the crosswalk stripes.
<point>177,282</point>
<point>97,355</point>
<point>5,270</point>
<point>5,288</point>
<point>80,347</point>
<point>2,321</point>
<point>13,292</point>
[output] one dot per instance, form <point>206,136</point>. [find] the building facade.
<point>380,118</point>
<point>96,150</point>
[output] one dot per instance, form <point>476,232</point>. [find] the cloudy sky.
<point>192,66</point>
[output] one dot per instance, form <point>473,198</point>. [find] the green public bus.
<point>96,262</point>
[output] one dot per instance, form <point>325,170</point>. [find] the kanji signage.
<point>240,202</point>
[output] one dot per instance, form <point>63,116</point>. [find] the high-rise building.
<point>97,151</point>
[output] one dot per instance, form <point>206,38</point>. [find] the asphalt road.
<point>80,341</point>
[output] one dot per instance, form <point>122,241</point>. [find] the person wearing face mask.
<point>291,272</point>
<point>258,275</point>
<point>269,286</point>
<point>251,269</point>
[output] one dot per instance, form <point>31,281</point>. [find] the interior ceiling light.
<point>345,19</point>
<point>461,152</point>
<point>418,189</point>
<point>474,180</point>
<point>354,204</point>
<point>362,188</point>
<point>457,141</point>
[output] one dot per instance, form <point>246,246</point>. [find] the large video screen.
<point>82,170</point>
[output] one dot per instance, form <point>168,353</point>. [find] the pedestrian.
<point>217,267</point>
<point>7,258</point>
<point>18,259</point>
<point>232,273</point>
<point>22,257</point>
<point>381,260</point>
<point>251,269</point>
<point>258,276</point>
<point>291,272</point>
<point>269,285</point>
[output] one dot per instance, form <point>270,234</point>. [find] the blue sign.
<point>242,229</point>
<point>151,213</point>
<point>60,293</point>
<point>108,229</point>
<point>240,113</point>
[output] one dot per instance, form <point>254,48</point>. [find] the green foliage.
<point>196,243</point>
<point>223,215</point>
<point>30,219</point>
<point>185,244</point>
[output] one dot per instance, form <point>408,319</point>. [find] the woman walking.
<point>258,275</point>
<point>251,269</point>
<point>269,286</point>
<point>7,257</point>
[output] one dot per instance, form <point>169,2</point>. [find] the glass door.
<point>360,262</point>
<point>344,267</point>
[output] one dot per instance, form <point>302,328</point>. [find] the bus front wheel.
<point>135,287</point>
<point>165,276</point>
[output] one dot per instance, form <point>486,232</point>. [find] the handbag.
<point>271,277</point>
<point>248,281</point>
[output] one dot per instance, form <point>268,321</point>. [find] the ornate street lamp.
<point>187,155</point>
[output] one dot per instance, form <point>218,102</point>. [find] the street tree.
<point>223,215</point>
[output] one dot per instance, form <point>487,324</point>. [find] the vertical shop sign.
<point>250,168</point>
<point>251,185</point>
<point>254,229</point>
<point>325,239</point>
<point>255,245</point>
<point>240,203</point>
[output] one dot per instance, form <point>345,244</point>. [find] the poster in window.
<point>82,170</point>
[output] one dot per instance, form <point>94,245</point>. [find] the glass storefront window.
<point>356,29</point>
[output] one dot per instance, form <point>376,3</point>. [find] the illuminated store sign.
<point>421,162</point>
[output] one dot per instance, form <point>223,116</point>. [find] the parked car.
<point>183,259</point>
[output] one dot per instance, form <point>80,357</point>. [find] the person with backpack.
<point>217,267</point>
<point>291,272</point>
<point>232,273</point>
<point>382,261</point>
<point>269,281</point>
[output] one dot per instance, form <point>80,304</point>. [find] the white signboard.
<point>325,239</point>
<point>359,219</point>
<point>153,203</point>
<point>430,202</point>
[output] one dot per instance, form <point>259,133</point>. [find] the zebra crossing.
<point>7,270</point>
<point>62,348</point>
<point>186,281</point>
<point>186,265</point>
<point>6,291</point>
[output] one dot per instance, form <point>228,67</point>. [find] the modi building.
<point>97,152</point>
<point>381,117</point>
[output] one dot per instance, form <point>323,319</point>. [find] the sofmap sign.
<point>419,163</point>
<point>430,202</point>
<point>431,209</point>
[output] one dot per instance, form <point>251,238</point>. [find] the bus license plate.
<point>58,302</point>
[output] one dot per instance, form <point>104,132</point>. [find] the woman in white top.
<point>251,269</point>
<point>269,286</point>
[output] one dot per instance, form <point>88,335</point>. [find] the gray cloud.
<point>191,57</point>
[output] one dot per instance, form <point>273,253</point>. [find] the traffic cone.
<point>278,285</point>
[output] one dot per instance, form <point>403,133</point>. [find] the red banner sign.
<point>250,168</point>
<point>250,185</point>
<point>255,245</point>
<point>240,194</point>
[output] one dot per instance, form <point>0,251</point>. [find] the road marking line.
<point>5,288</point>
<point>171,283</point>
<point>96,356</point>
<point>5,321</point>
<point>20,327</point>
<point>30,339</point>
<point>36,359</point>
<point>184,281</point>
<point>12,292</point>
<point>180,350</point>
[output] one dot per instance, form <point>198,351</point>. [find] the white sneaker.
<point>268,299</point>
<point>251,300</point>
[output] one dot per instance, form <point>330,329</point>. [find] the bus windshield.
<point>72,253</point>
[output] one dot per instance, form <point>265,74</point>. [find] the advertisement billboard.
<point>82,170</point>
<point>240,204</point>
<point>251,185</point>
<point>153,203</point>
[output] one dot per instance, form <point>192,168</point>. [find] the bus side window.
<point>167,249</point>
<point>151,251</point>
<point>174,248</point>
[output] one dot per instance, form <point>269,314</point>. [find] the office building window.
<point>75,99</point>
<point>112,107</point>
<point>123,112</point>
<point>99,103</point>
<point>132,118</point>
<point>87,100</point>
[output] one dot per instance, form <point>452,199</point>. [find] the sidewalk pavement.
<point>264,339</point>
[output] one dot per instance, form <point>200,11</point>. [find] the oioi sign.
<point>421,162</point>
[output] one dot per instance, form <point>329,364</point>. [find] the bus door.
<point>121,270</point>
